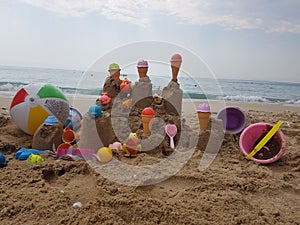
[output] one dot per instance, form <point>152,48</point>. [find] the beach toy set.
<point>148,116</point>
<point>98,122</point>
<point>33,156</point>
<point>260,142</point>
<point>52,135</point>
<point>66,148</point>
<point>24,153</point>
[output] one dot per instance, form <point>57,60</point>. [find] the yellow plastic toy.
<point>104,154</point>
<point>35,159</point>
<point>131,147</point>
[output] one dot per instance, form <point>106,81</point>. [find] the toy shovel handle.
<point>172,142</point>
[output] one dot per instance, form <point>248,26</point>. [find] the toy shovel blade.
<point>171,131</point>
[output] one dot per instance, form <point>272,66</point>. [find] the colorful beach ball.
<point>33,103</point>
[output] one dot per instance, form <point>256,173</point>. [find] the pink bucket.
<point>271,152</point>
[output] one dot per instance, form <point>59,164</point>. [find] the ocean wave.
<point>242,98</point>
<point>293,102</point>
<point>11,86</point>
<point>69,90</point>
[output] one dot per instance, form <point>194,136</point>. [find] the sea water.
<point>194,87</point>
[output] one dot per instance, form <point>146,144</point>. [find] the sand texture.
<point>232,190</point>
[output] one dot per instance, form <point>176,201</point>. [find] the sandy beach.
<point>232,190</point>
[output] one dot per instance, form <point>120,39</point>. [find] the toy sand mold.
<point>96,132</point>
<point>49,133</point>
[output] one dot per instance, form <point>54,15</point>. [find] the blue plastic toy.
<point>2,160</point>
<point>24,153</point>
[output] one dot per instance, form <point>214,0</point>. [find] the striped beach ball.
<point>33,103</point>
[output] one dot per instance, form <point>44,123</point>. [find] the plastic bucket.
<point>234,119</point>
<point>62,149</point>
<point>68,135</point>
<point>271,152</point>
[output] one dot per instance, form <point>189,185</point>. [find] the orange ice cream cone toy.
<point>148,115</point>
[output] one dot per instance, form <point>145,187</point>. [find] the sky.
<point>236,39</point>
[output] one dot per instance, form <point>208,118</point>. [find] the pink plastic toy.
<point>171,131</point>
<point>104,99</point>
<point>273,149</point>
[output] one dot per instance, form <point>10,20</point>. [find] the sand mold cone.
<point>148,115</point>
<point>204,113</point>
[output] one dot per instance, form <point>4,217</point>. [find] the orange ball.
<point>104,154</point>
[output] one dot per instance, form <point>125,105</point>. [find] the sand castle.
<point>110,120</point>
<point>121,120</point>
<point>172,93</point>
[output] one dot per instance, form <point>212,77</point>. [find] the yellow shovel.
<point>266,138</point>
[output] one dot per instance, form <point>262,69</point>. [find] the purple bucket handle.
<point>234,119</point>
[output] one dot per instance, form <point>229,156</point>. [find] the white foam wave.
<point>242,98</point>
<point>293,102</point>
<point>9,87</point>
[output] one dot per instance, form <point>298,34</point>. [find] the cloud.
<point>270,16</point>
<point>285,26</point>
<point>130,11</point>
<point>67,7</point>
